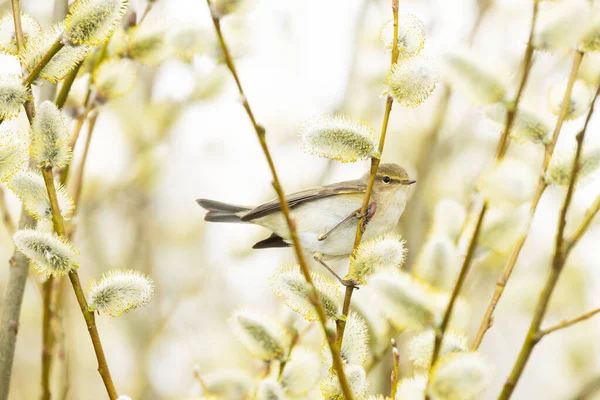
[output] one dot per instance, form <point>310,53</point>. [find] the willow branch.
<point>79,177</point>
<point>585,224</point>
<point>569,322</point>
<point>534,334</point>
<point>65,88</point>
<point>487,320</point>
<point>260,134</point>
<point>396,371</point>
<point>512,108</point>
<point>19,265</point>
<point>341,322</point>
<point>74,278</point>
<point>7,220</point>
<point>501,151</point>
<point>441,331</point>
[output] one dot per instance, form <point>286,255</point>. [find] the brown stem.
<point>90,321</point>
<point>585,224</point>
<point>341,322</point>
<point>79,177</point>
<point>46,337</point>
<point>6,218</point>
<point>487,320</point>
<point>19,265</point>
<point>396,371</point>
<point>65,88</point>
<point>559,258</point>
<point>260,134</point>
<point>441,331</point>
<point>35,72</point>
<point>74,277</point>
<point>512,108</point>
<point>567,323</point>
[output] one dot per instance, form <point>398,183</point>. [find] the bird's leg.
<point>368,215</point>
<point>356,214</point>
<point>346,282</point>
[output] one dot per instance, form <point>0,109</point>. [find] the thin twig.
<point>487,320</point>
<point>19,264</point>
<point>341,322</point>
<point>568,322</point>
<point>513,107</point>
<point>585,224</point>
<point>501,151</point>
<point>65,87</point>
<point>396,371</point>
<point>7,220</point>
<point>74,278</point>
<point>441,331</point>
<point>534,334</point>
<point>260,134</point>
<point>77,186</point>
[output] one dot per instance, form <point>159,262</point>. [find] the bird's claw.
<point>367,216</point>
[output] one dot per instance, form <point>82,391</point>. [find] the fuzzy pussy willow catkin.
<point>460,376</point>
<point>289,284</point>
<point>527,126</point>
<point>8,38</point>
<point>581,95</point>
<point>474,78</point>
<point>420,347</point>
<point>50,254</point>
<point>412,81</point>
<point>50,137</point>
<point>412,388</point>
<point>437,262</point>
<point>13,154</point>
<point>302,372</point>
<point>411,35</point>
<point>355,346</point>
<point>263,337</point>
<point>61,64</point>
<point>120,291</point>
<point>339,138</point>
<point>408,302</point>
<point>114,78</point>
<point>357,379</point>
<point>30,188</point>
<point>12,96</point>
<point>93,21</point>
<point>377,254</point>
<point>561,166</point>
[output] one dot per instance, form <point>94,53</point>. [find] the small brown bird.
<point>326,217</point>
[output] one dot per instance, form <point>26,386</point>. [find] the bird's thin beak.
<point>408,182</point>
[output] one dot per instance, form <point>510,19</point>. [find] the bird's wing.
<point>295,199</point>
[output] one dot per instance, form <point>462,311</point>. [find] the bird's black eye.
<point>387,179</point>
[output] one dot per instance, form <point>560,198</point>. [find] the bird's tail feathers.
<point>221,212</point>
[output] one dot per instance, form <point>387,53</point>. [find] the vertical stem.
<point>341,322</point>
<point>439,334</point>
<point>512,108</point>
<point>19,266</point>
<point>559,258</point>
<point>486,322</point>
<point>6,218</point>
<point>46,337</point>
<point>79,177</point>
<point>74,278</point>
<point>315,299</point>
<point>501,151</point>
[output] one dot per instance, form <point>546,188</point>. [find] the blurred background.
<point>182,134</point>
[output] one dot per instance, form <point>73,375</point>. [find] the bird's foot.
<point>370,213</point>
<point>346,282</point>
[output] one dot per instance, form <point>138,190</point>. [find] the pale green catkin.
<point>50,255</point>
<point>120,291</point>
